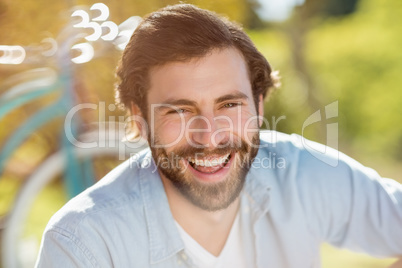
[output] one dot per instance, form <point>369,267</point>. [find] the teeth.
<point>210,163</point>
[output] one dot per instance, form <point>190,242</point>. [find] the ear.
<point>139,123</point>
<point>260,109</point>
<point>135,110</point>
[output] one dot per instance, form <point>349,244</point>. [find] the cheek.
<point>169,132</point>
<point>242,123</point>
<point>248,123</point>
<point>250,128</point>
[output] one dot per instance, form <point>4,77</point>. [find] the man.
<point>203,194</point>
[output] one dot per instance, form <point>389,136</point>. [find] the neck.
<point>209,228</point>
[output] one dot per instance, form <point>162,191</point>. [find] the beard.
<point>209,196</point>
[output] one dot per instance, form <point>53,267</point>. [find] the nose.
<point>206,131</point>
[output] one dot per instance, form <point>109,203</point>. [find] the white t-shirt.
<point>232,255</point>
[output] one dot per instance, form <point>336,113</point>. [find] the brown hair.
<point>179,33</point>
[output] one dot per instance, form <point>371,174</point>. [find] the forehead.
<point>219,72</point>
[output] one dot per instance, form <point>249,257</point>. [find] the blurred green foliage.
<point>356,60</point>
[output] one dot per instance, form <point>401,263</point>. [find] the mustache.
<point>221,149</point>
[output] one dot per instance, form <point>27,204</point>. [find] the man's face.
<point>204,126</point>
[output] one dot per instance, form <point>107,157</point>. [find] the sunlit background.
<point>57,54</point>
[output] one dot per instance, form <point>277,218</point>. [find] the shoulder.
<point>300,151</point>
<point>310,168</point>
<point>278,151</point>
<point>292,160</point>
<point>290,143</point>
<point>101,223</point>
<point>117,192</point>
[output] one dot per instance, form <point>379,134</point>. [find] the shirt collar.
<point>257,191</point>
<point>164,238</point>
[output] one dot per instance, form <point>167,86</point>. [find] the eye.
<point>177,111</point>
<point>232,104</point>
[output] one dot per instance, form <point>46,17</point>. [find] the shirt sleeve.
<point>61,249</point>
<point>349,205</point>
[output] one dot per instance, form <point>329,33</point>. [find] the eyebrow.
<point>176,102</point>
<point>231,96</point>
<point>180,102</point>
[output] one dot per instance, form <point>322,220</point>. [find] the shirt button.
<point>184,256</point>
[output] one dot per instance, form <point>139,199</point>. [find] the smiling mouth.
<point>210,164</point>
